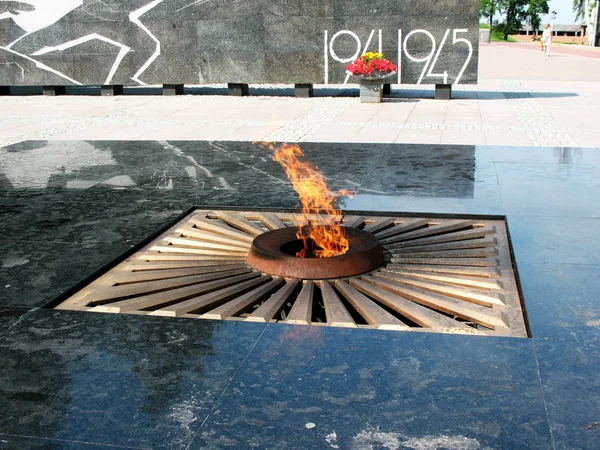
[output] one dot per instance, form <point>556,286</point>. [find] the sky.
<point>564,10</point>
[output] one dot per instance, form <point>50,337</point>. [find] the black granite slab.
<point>432,178</point>
<point>118,380</point>
<point>9,316</point>
<point>562,300</point>
<point>561,187</point>
<point>120,223</point>
<point>33,272</point>
<point>365,388</point>
<point>11,442</point>
<point>569,373</point>
<point>561,240</point>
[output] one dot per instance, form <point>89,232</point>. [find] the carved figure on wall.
<point>34,16</point>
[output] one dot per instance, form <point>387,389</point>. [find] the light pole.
<point>552,20</point>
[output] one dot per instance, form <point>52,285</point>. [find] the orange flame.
<point>326,238</point>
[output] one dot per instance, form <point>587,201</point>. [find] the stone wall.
<point>135,42</point>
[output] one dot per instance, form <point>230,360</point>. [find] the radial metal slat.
<point>161,299</point>
<point>402,228</point>
<point>486,317</point>
<point>271,221</point>
<point>206,244</point>
<point>129,276</point>
<point>470,295</point>
<point>336,313</point>
<point>491,284</point>
<point>374,314</point>
<point>381,224</point>
<point>301,312</point>
<point>465,235</point>
<point>481,272</point>
<point>268,310</point>
<point>467,253</point>
<point>196,251</point>
<point>485,242</point>
<point>238,221</point>
<point>436,229</point>
<point>208,301</point>
<point>143,266</point>
<point>207,236</point>
<point>166,257</point>
<point>413,311</point>
<point>214,226</point>
<point>354,221</point>
<point>112,292</point>
<point>237,305</point>
<point>477,262</point>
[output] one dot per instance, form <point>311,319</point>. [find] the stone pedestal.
<point>237,89</point>
<point>172,89</point>
<point>54,90</point>
<point>110,90</point>
<point>303,90</point>
<point>443,91</point>
<point>370,91</point>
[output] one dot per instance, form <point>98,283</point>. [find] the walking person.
<point>547,39</point>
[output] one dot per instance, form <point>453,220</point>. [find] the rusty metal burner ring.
<point>266,254</point>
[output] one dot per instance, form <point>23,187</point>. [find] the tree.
<point>588,10</point>
<point>534,9</point>
<point>488,9</point>
<point>515,13</point>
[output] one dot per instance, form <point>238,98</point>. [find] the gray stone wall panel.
<point>230,41</point>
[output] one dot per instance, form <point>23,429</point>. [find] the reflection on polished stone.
<point>139,381</point>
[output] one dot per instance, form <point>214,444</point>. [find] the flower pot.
<point>371,86</point>
<point>376,75</point>
<point>370,90</point>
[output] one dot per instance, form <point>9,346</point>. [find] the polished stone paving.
<point>73,380</point>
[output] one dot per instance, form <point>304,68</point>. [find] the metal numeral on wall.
<point>430,60</point>
<point>329,49</point>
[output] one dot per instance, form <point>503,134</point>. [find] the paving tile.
<point>372,134</point>
<point>462,137</point>
<point>410,136</point>
<point>502,138</point>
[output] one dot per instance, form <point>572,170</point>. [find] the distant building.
<point>571,34</point>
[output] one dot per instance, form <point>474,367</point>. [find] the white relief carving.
<point>135,18</point>
<point>35,15</point>
<point>42,66</point>
<point>44,14</point>
<point>90,37</point>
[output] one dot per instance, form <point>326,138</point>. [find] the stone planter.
<point>371,88</point>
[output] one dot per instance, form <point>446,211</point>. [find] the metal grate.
<point>439,275</point>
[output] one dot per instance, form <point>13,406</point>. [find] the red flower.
<point>366,64</point>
